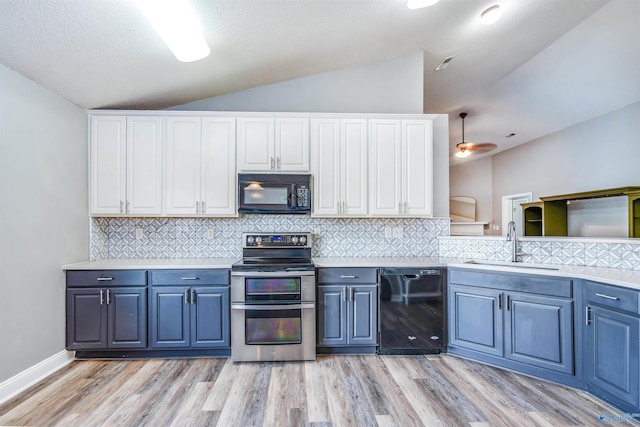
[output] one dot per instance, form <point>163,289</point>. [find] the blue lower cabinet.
<point>347,315</point>
<point>497,322</point>
<point>107,318</point>
<point>475,319</point>
<point>183,317</point>
<point>539,331</point>
<point>613,355</point>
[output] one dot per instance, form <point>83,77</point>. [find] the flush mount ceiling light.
<point>419,4</point>
<point>177,25</point>
<point>491,15</point>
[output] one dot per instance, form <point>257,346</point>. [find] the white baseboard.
<point>32,375</point>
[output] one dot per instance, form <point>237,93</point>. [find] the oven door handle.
<point>259,274</point>
<point>253,307</point>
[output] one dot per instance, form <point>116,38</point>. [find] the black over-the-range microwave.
<point>262,193</point>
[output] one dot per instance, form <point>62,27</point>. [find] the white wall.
<point>391,86</point>
<point>43,217</point>
<point>473,179</point>
<point>596,154</point>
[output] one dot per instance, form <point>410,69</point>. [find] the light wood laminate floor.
<point>332,391</point>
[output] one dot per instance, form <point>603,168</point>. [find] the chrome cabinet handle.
<point>587,318</point>
<point>352,292</point>
<point>101,297</point>
<point>338,207</point>
<point>190,278</point>
<point>499,301</point>
<point>104,279</point>
<point>128,205</point>
<point>121,206</point>
<point>278,162</point>
<point>108,296</point>
<point>348,277</point>
<point>272,163</point>
<point>508,303</point>
<point>197,207</point>
<point>607,297</point>
<point>345,290</point>
<point>203,207</point>
<point>186,296</point>
<point>193,296</point>
<point>344,207</point>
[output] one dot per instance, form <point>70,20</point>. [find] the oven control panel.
<point>255,240</point>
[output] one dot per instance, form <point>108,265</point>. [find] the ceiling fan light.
<point>178,27</point>
<point>419,4</point>
<point>491,15</point>
<point>463,154</point>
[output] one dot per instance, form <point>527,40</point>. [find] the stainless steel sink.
<point>512,264</point>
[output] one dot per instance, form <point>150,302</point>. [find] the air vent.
<point>510,135</point>
<point>444,63</point>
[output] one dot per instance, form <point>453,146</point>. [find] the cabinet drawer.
<point>347,275</point>
<point>612,296</point>
<point>106,278</point>
<point>551,286</point>
<point>189,277</point>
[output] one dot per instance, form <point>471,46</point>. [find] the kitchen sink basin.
<point>512,264</point>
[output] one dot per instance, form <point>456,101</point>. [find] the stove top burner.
<point>275,252</point>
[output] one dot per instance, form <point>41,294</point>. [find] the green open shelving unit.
<point>548,217</point>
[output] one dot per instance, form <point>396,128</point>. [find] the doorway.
<point>512,211</point>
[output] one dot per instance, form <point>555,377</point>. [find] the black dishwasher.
<point>412,316</point>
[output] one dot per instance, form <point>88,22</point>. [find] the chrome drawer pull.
<point>189,278</point>
<point>607,297</point>
<point>348,277</point>
<point>104,279</point>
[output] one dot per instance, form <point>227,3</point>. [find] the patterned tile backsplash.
<point>188,237</point>
<point>587,252</point>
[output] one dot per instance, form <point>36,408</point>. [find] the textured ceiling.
<point>510,77</point>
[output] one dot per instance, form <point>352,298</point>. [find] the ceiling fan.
<point>464,149</point>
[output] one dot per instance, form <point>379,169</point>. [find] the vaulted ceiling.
<point>546,65</point>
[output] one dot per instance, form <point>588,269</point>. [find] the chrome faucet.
<point>512,237</point>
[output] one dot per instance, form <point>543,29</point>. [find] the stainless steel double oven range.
<point>273,299</point>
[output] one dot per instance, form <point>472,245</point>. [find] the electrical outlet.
<point>210,233</point>
<point>139,233</point>
<point>316,232</point>
<point>397,233</point>
<point>387,233</point>
<point>496,228</point>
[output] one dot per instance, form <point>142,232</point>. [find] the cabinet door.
<point>475,319</point>
<point>612,354</point>
<point>332,316</point>
<point>144,166</point>
<point>354,170</point>
<point>210,317</point>
<point>169,320</point>
<point>107,165</point>
<point>218,166</point>
<point>292,145</point>
<point>363,316</point>
<point>326,147</point>
<point>183,165</point>
<point>86,319</point>
<point>539,331</point>
<point>127,314</point>
<point>256,147</point>
<point>385,176</point>
<point>417,166</point>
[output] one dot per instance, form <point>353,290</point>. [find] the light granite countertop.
<point>613,276</point>
<point>152,264</point>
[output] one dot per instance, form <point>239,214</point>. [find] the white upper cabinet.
<point>125,165</point>
<point>401,175</point>
<point>273,145</point>
<point>200,166</point>
<point>339,167</point>
<point>218,177</point>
